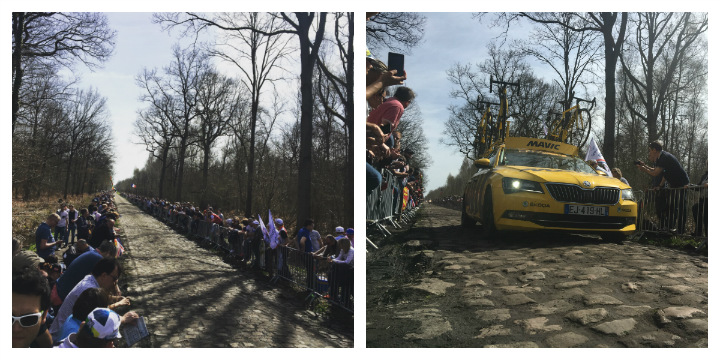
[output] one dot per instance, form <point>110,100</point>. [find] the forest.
<point>648,72</point>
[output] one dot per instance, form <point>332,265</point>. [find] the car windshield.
<point>545,160</point>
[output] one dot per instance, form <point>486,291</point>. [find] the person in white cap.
<point>101,327</point>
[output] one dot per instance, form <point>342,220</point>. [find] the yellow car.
<point>534,184</point>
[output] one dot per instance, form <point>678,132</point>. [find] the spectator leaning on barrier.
<point>390,112</point>
<point>106,231</point>
<point>30,302</point>
<point>89,299</point>
<point>105,275</point>
<point>76,250</point>
<point>45,243</point>
<point>82,266</point>
<point>669,166</point>
<point>99,329</point>
<point>303,236</point>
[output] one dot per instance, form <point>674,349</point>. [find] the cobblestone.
<point>537,290</point>
<point>191,298</point>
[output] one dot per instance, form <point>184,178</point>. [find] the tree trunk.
<point>18,29</point>
<point>306,108</point>
<point>251,158</point>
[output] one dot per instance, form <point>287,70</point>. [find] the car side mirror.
<point>482,163</point>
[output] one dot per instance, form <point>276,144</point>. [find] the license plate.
<point>586,210</point>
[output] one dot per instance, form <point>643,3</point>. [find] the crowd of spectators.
<point>669,188</point>
<point>384,148</point>
<point>71,300</point>
<point>253,245</point>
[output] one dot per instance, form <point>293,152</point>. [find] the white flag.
<point>593,153</point>
<point>262,228</point>
<point>272,231</point>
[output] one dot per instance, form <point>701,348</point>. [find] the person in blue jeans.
<point>72,224</point>
<point>62,226</point>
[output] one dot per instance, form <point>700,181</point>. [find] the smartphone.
<point>396,62</point>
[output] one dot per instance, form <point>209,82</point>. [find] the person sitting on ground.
<point>105,275</point>
<point>30,302</point>
<point>88,300</point>
<point>82,266</point>
<point>72,253</point>
<point>99,329</point>
<point>106,231</point>
<point>26,258</point>
<point>45,243</point>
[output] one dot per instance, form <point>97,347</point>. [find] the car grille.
<point>576,194</point>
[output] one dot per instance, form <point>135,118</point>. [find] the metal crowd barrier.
<point>678,211</point>
<point>332,281</point>
<point>385,205</point>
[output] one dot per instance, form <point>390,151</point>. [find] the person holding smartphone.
<point>387,116</point>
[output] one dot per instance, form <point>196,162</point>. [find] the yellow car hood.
<point>560,176</point>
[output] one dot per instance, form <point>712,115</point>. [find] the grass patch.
<point>670,241</point>
<point>27,215</point>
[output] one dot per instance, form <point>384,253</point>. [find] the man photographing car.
<point>668,165</point>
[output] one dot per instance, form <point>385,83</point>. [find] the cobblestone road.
<point>533,291</point>
<point>191,298</point>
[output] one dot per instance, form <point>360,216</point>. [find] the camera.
<point>638,162</point>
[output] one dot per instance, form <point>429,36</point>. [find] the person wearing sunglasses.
<point>30,301</point>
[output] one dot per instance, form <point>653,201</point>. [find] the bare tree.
<point>59,38</point>
<point>570,54</point>
<point>341,84</point>
<point>85,115</point>
<point>154,124</point>
<point>612,26</point>
<point>215,108</point>
<point>397,31</point>
<point>657,34</point>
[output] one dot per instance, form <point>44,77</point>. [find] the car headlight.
<point>627,194</point>
<point>511,185</point>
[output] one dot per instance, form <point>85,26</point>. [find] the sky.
<point>449,38</point>
<point>139,44</point>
